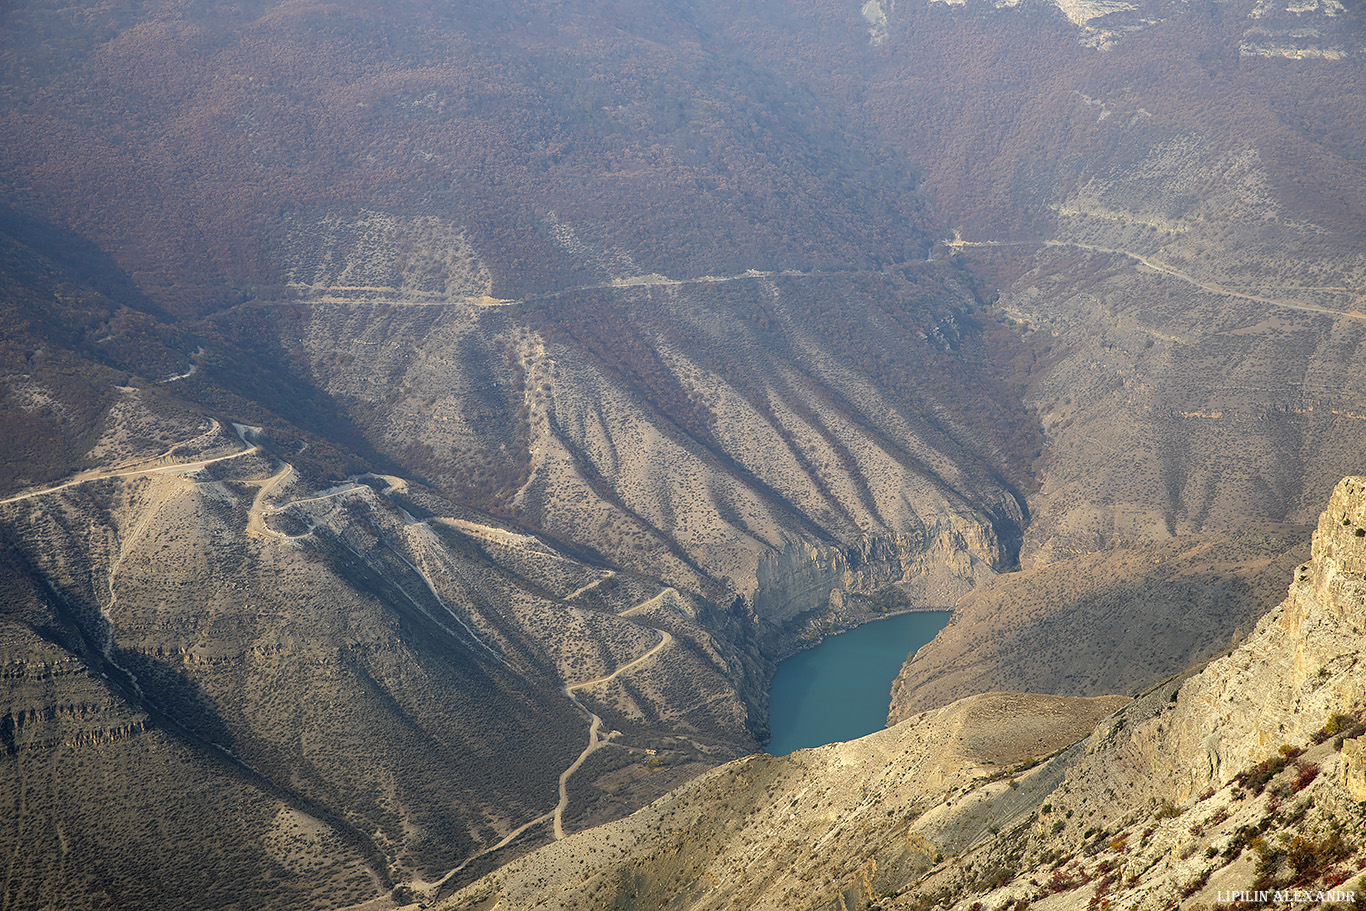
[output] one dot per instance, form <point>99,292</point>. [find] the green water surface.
<point>840,689</point>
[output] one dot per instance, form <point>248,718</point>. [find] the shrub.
<point>1255,779</point>
<point>1195,885</point>
<point>1336,723</point>
<point>1062,881</point>
<point>1310,859</point>
<point>1268,863</point>
<point>1241,839</point>
<point>1168,810</point>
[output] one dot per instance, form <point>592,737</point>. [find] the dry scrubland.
<point>670,452</point>
<point>367,652</point>
<point>756,831</point>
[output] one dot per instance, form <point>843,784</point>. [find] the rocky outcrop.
<point>1353,768</point>
<point>1212,783</point>
<point>1298,668</point>
<point>807,590</point>
<point>1115,621</point>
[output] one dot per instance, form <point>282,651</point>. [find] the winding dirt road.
<point>1171,271</point>
<point>596,740</point>
<point>664,640</point>
<point>256,520</point>
<point>256,527</point>
<point>172,468</point>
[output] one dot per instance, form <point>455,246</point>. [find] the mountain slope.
<point>423,571</point>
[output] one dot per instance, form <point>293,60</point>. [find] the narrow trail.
<point>432,887</point>
<point>593,744</point>
<point>646,603</point>
<point>662,281</point>
<point>1171,271</point>
<point>161,466</point>
<point>256,527</point>
<point>256,521</point>
<point>194,368</point>
<point>611,574</point>
<point>664,639</point>
<point>430,299</point>
<point>317,498</point>
<point>594,741</point>
<point>417,530</point>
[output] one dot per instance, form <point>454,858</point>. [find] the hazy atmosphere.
<point>425,428</point>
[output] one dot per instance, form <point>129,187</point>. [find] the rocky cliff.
<point>807,590</point>
<point>1129,616</point>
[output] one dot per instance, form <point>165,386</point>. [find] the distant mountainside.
<point>415,413</point>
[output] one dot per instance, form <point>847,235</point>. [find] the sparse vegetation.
<point>1256,778</point>
<point>1168,810</point>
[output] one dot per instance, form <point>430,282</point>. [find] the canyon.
<point>425,427</point>
<point>1240,776</point>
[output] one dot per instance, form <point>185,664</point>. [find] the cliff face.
<point>1297,669</point>
<point>807,590</point>
<point>1246,775</point>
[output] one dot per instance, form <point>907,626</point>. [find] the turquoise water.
<point>840,689</point>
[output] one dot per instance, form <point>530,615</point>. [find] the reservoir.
<point>841,689</point>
